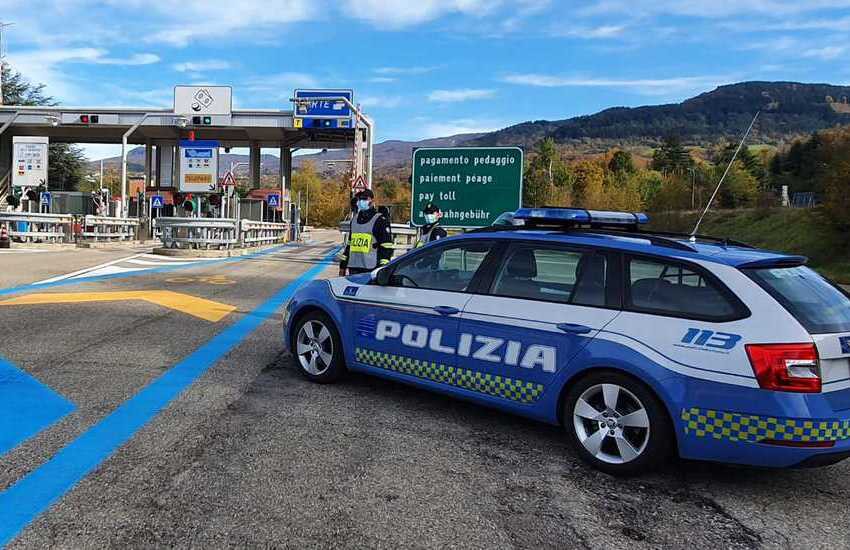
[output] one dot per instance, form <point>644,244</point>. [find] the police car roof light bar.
<point>573,217</point>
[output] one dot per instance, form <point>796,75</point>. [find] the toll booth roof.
<point>267,128</point>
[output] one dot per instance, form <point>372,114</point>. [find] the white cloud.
<point>710,9</point>
<point>45,66</point>
<point>459,126</point>
<point>397,14</point>
<point>382,80</point>
<point>601,32</point>
<point>280,83</point>
<point>200,66</point>
<point>380,102</point>
<point>826,53</point>
<point>646,86</point>
<point>223,19</point>
<point>455,96</point>
<point>404,70</point>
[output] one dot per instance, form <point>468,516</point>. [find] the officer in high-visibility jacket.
<point>370,243</point>
<point>431,231</point>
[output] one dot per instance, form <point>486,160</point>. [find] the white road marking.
<point>130,263</point>
<point>86,271</point>
<point>20,250</point>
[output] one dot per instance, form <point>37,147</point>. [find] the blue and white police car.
<point>639,344</point>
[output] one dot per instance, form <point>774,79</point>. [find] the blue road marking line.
<point>27,406</point>
<point>76,281</point>
<point>32,495</point>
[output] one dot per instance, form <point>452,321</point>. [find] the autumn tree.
<point>672,157</point>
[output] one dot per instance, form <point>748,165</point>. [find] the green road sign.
<point>471,185</point>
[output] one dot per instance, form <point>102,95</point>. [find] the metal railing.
<point>198,233</point>
<point>103,228</point>
<point>258,233</point>
<point>33,227</point>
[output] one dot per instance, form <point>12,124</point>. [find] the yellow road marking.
<point>197,307</point>
<point>213,280</point>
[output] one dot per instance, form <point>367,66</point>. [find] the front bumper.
<point>725,423</point>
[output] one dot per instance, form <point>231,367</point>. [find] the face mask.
<point>363,205</point>
<point>430,218</point>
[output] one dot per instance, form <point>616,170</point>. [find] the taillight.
<point>786,367</point>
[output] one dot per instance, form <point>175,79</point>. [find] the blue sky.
<point>425,68</point>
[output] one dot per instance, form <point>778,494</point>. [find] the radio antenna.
<point>728,167</point>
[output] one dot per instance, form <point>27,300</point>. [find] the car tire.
<point>317,348</point>
<point>617,424</point>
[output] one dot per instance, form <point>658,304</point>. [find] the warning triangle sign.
<point>359,184</point>
<point>228,179</point>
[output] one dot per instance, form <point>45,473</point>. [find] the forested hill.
<point>788,109</point>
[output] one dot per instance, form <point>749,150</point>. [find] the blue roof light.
<point>580,216</point>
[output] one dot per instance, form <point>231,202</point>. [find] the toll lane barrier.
<point>33,227</point>
<point>261,233</point>
<point>221,233</point>
<point>201,233</point>
<point>102,228</point>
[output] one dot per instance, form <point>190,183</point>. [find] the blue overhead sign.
<point>321,104</point>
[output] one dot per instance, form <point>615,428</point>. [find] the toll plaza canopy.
<point>200,112</point>
<point>243,128</point>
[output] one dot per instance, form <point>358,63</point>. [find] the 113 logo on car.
<point>710,340</point>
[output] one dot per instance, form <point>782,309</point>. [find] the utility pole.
<point>2,57</point>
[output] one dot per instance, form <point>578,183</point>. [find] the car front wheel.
<point>617,424</point>
<point>317,348</point>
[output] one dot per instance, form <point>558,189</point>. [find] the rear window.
<point>676,290</point>
<point>816,303</point>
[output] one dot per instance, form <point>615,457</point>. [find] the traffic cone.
<point>5,242</point>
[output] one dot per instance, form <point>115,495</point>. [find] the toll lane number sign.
<point>472,186</point>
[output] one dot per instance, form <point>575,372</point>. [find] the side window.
<point>552,275</point>
<point>444,268</point>
<point>674,289</point>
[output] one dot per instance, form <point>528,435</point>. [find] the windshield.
<point>820,306</point>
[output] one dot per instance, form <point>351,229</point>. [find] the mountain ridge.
<point>788,110</point>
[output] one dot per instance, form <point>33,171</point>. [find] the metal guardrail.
<point>33,227</point>
<point>102,228</point>
<point>201,233</point>
<point>257,233</point>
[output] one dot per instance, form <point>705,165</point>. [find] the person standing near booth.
<point>370,243</point>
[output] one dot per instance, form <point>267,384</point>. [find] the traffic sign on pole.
<point>228,180</point>
<point>273,200</point>
<point>157,201</point>
<point>359,184</point>
<point>472,186</point>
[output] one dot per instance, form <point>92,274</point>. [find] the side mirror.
<point>381,276</point>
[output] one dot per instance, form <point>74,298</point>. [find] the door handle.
<point>446,310</point>
<point>573,328</point>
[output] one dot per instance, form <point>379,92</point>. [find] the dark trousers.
<point>358,270</point>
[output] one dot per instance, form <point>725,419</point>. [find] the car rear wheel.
<point>317,348</point>
<point>617,424</point>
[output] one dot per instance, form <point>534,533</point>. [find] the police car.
<point>641,345</point>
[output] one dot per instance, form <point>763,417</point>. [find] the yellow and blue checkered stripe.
<point>753,428</point>
<point>498,386</point>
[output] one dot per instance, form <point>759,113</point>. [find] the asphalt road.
<point>249,454</point>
